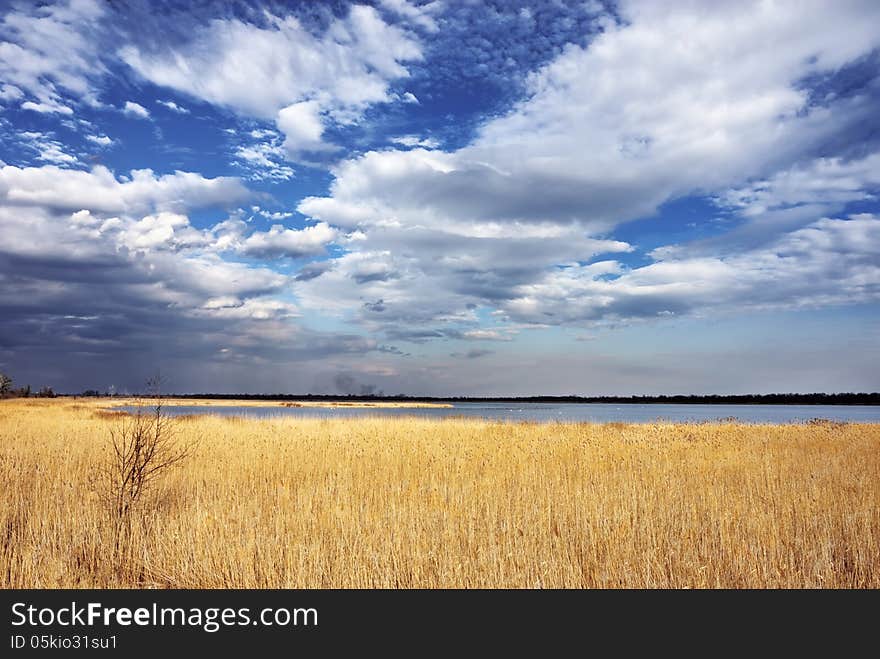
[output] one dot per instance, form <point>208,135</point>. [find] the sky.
<point>441,198</point>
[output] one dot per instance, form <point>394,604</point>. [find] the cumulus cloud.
<point>162,230</point>
<point>100,140</point>
<point>146,256</point>
<point>101,275</point>
<point>831,261</point>
<point>612,129</point>
<point>100,190</point>
<point>136,110</point>
<point>302,127</point>
<point>609,131</point>
<point>282,72</point>
<point>47,108</point>
<point>431,280</point>
<point>292,243</point>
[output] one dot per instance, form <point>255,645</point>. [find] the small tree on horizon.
<point>5,383</point>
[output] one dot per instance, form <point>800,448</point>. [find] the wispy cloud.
<point>174,107</point>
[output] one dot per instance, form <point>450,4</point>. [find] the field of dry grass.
<point>406,502</point>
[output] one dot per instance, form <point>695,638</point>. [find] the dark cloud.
<point>376,307</point>
<point>348,384</point>
<point>313,270</point>
<point>476,353</point>
<point>366,277</point>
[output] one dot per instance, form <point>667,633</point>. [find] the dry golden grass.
<point>406,502</point>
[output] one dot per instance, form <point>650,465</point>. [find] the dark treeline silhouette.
<point>740,399</point>
<point>8,391</point>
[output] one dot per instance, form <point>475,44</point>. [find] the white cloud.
<point>174,107</point>
<point>222,302</point>
<point>100,140</point>
<point>47,148</point>
<point>51,53</point>
<point>293,243</point>
<point>84,218</point>
<point>611,130</point>
<point>53,152</point>
<point>152,258</point>
<point>254,308</point>
<point>104,276</point>
<point>832,261</point>
<point>672,101</point>
<point>155,268</point>
<point>489,335</point>
<point>99,190</point>
<point>821,181</point>
<point>421,15</point>
<point>302,127</point>
<point>261,71</point>
<point>264,160</point>
<point>10,93</point>
<point>431,275</point>
<point>163,230</point>
<point>272,215</point>
<point>229,233</point>
<point>137,110</point>
<point>786,201</point>
<point>415,141</point>
<point>47,108</point>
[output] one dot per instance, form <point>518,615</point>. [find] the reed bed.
<point>419,503</point>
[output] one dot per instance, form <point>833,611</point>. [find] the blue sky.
<point>443,197</point>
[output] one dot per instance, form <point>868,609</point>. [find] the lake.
<point>548,412</point>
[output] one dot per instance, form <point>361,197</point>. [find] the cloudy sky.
<point>442,197</point>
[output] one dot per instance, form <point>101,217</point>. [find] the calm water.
<point>597,412</point>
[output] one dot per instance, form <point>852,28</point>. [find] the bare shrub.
<point>141,448</point>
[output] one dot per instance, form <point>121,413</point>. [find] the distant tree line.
<point>850,398</point>
<point>8,391</point>
<point>693,399</point>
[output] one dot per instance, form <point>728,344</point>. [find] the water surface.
<point>593,412</point>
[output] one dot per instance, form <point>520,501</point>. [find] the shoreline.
<point>231,402</point>
<point>805,400</point>
<point>205,408</point>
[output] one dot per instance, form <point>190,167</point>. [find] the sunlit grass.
<point>411,502</point>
